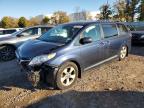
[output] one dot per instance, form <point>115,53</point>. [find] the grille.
<point>25,65</point>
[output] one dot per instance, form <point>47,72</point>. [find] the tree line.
<point>57,18</point>
<point>123,10</point>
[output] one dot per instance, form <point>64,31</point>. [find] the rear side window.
<point>93,31</point>
<point>122,29</point>
<point>109,30</point>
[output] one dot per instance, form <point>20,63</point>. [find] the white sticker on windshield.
<point>78,26</point>
<point>89,28</point>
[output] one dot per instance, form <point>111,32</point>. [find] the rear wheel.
<point>7,53</point>
<point>67,75</point>
<point>123,52</point>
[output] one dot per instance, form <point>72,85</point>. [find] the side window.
<point>44,29</point>
<point>92,31</point>
<point>9,31</point>
<point>122,29</point>
<point>31,31</point>
<point>1,32</point>
<point>109,30</point>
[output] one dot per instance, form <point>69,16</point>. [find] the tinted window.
<point>32,31</point>
<point>92,31</point>
<point>122,29</point>
<point>131,28</point>
<point>8,31</point>
<point>44,29</point>
<point>109,30</point>
<point>1,32</point>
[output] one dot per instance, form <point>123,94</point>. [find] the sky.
<point>30,8</point>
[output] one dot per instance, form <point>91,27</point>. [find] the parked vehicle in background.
<point>9,44</point>
<point>137,34</point>
<point>67,50</point>
<point>1,28</point>
<point>7,32</point>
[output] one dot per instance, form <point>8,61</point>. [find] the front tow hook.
<point>34,78</point>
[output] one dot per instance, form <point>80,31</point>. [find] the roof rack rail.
<point>107,21</point>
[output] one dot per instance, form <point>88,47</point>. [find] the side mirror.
<point>86,40</point>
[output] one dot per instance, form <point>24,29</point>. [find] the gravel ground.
<point>112,85</point>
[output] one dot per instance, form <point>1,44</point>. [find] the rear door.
<point>111,40</point>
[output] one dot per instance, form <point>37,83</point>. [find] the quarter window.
<point>92,31</point>
<point>109,30</point>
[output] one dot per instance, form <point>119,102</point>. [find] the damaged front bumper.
<point>40,74</point>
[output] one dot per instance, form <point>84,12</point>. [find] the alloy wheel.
<point>123,52</point>
<point>68,76</point>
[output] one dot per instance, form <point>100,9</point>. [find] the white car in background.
<point>7,32</point>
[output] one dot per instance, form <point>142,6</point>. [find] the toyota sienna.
<point>61,55</point>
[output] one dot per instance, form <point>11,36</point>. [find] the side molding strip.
<point>106,60</point>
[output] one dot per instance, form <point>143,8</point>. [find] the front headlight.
<point>41,59</point>
<point>142,36</point>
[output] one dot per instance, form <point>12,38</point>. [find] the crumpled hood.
<point>34,48</point>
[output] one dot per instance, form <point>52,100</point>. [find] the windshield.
<point>61,34</point>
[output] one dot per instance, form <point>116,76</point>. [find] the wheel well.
<point>8,45</point>
<point>79,68</point>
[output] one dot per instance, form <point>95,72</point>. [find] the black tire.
<point>7,53</point>
<point>123,52</point>
<point>62,84</point>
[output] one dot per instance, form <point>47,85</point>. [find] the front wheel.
<point>7,53</point>
<point>123,52</point>
<point>66,75</point>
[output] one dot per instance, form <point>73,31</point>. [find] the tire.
<point>7,53</point>
<point>66,75</point>
<point>123,52</point>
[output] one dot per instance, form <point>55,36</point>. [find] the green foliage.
<point>8,22</point>
<point>105,12</point>
<point>119,8</point>
<point>141,11</point>
<point>122,10</point>
<point>60,17</point>
<point>45,20</point>
<point>22,22</point>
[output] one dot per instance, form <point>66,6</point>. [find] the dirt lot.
<point>113,85</point>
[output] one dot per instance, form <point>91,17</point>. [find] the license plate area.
<point>34,78</point>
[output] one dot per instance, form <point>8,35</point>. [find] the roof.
<point>39,26</point>
<point>83,23</point>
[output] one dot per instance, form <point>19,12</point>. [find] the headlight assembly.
<point>142,36</point>
<point>41,59</point>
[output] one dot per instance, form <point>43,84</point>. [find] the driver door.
<point>92,53</point>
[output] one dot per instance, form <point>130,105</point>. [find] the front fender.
<point>63,59</point>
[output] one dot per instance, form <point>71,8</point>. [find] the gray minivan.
<point>67,50</point>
